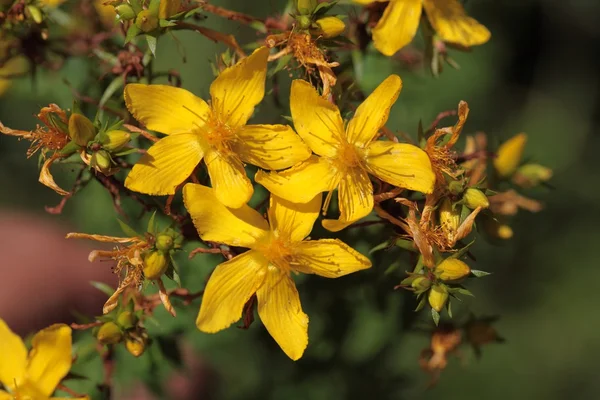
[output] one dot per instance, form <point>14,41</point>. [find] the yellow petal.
<point>5,395</point>
<point>293,220</point>
<point>51,3</point>
<point>50,357</point>
<point>330,258</point>
<point>509,155</point>
<point>398,26</point>
<point>14,66</point>
<point>216,223</point>
<point>168,8</point>
<point>452,24</point>
<point>229,180</point>
<point>270,146</point>
<point>300,184</point>
<point>373,113</point>
<point>280,310</point>
<point>401,164</point>
<point>166,109</point>
<point>47,179</point>
<point>168,163</point>
<point>100,238</point>
<point>365,2</point>
<point>239,88</point>
<point>230,286</point>
<point>14,357</point>
<point>355,200</point>
<point>317,121</point>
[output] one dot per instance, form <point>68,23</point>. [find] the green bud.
<point>101,161</point>
<point>81,129</point>
<point>438,295</point>
<point>125,12</point>
<point>109,333</point>
<point>451,269</point>
<point>146,21</point>
<point>127,320</point>
<point>164,243</point>
<point>455,187</point>
<point>306,7</point>
<point>304,21</point>
<point>155,264</point>
<point>135,346</point>
<point>331,26</point>
<point>530,175</point>
<point>36,14</point>
<point>420,284</point>
<point>115,140</point>
<point>474,198</point>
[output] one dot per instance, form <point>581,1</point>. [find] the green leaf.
<point>259,26</point>
<point>380,246</point>
<point>154,6</point>
<point>462,291</point>
<point>462,251</point>
<point>132,32</point>
<point>281,63</point>
<point>406,245</point>
<point>436,317</point>
<point>151,44</point>
<point>111,89</point>
<point>127,230</point>
<point>151,224</point>
<point>103,287</point>
<point>422,302</point>
<point>449,308</point>
<point>70,148</point>
<point>480,274</point>
<point>164,23</point>
<point>323,8</point>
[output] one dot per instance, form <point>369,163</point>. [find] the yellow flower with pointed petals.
<point>36,375</point>
<point>218,133</point>
<point>277,248</point>
<point>346,156</point>
<point>400,21</point>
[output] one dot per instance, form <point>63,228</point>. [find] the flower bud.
<point>456,187</point>
<point>126,320</point>
<point>449,219</point>
<point>331,26</point>
<point>304,21</point>
<point>155,264</point>
<point>135,346</point>
<point>168,8</point>
<point>115,140</point>
<point>146,21</point>
<point>81,129</point>
<point>451,269</point>
<point>164,242</point>
<point>509,155</point>
<point>530,175</point>
<point>306,7</point>
<point>420,284</point>
<point>438,295</point>
<point>109,333</point>
<point>101,161</point>
<point>125,12</point>
<point>474,198</point>
<point>35,13</point>
<point>497,229</point>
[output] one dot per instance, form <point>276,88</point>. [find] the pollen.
<point>277,250</point>
<point>349,156</point>
<point>219,135</point>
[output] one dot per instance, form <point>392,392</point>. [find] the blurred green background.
<point>539,74</point>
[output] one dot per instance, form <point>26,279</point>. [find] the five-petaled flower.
<point>36,375</point>
<point>400,21</point>
<point>347,155</point>
<point>277,249</point>
<point>217,132</point>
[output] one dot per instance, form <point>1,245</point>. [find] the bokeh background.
<point>539,74</point>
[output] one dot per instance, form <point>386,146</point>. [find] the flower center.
<point>348,156</point>
<point>277,250</point>
<point>219,135</point>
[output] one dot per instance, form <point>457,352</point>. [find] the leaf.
<point>436,317</point>
<point>480,274</point>
<point>111,89</point>
<point>151,224</point>
<point>259,26</point>
<point>151,44</point>
<point>380,246</point>
<point>103,287</point>
<point>132,32</point>
<point>421,304</point>
<point>324,7</point>
<point>406,245</point>
<point>127,230</point>
<point>462,291</point>
<point>462,251</point>
<point>449,308</point>
<point>281,63</point>
<point>164,23</point>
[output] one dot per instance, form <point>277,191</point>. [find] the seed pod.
<point>449,219</point>
<point>81,129</point>
<point>306,7</point>
<point>109,333</point>
<point>146,21</point>
<point>330,26</point>
<point>168,8</point>
<point>115,140</point>
<point>164,243</point>
<point>451,269</point>
<point>474,198</point>
<point>438,295</point>
<point>125,12</point>
<point>135,346</point>
<point>126,320</point>
<point>509,155</point>
<point>155,264</point>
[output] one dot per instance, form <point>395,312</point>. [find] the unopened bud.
<point>497,229</point>
<point>331,26</point>
<point>304,21</point>
<point>125,12</point>
<point>127,320</point>
<point>509,155</point>
<point>155,264</point>
<point>438,295</point>
<point>115,140</point>
<point>451,269</point>
<point>109,333</point>
<point>449,219</point>
<point>168,8</point>
<point>474,198</point>
<point>530,175</point>
<point>36,14</point>
<point>135,346</point>
<point>455,187</point>
<point>420,284</point>
<point>164,243</point>
<point>81,129</point>
<point>101,161</point>
<point>306,7</point>
<point>146,21</point>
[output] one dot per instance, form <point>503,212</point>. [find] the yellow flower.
<point>277,249</point>
<point>35,375</point>
<point>217,132</point>
<point>400,21</point>
<point>346,156</point>
<point>509,155</point>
